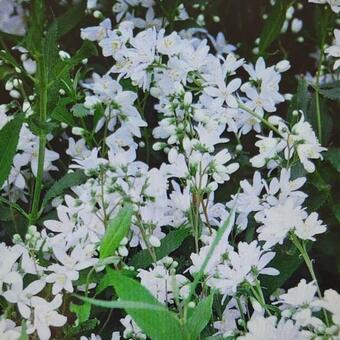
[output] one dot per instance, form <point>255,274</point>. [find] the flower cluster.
<point>158,135</point>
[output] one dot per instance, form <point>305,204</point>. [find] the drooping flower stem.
<point>303,251</point>
<point>256,115</point>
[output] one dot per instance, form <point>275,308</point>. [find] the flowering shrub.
<point>157,182</point>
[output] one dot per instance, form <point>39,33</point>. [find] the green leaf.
<point>168,244</point>
<point>326,119</point>
<point>71,179</point>
<point>87,49</point>
<point>200,317</point>
<point>79,110</point>
<point>82,311</point>
<point>332,155</point>
<point>85,327</point>
<point>273,25</point>
<point>61,112</point>
<point>9,136</point>
<point>287,260</point>
<point>115,232</point>
<point>71,18</point>
<point>336,211</point>
<point>150,315</point>
<point>50,52</point>
<point>301,98</point>
<point>333,94</point>
<point>119,304</point>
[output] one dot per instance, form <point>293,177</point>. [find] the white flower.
<point>300,296</point>
<point>331,302</point>
<point>244,265</point>
<point>45,315</point>
<point>269,147</point>
<point>23,297</point>
<point>8,257</point>
<point>168,45</point>
<point>61,278</point>
<point>162,284</point>
<point>278,221</point>
<point>307,146</point>
<point>335,4</point>
<point>224,91</point>
<point>334,50</point>
<point>131,329</point>
<point>8,330</point>
<point>310,227</point>
<point>96,33</point>
<point>263,328</point>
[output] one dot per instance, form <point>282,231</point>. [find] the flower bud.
<point>282,66</point>
<point>78,131</point>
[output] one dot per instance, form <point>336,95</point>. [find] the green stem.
<point>302,249</point>
<point>42,144</point>
<point>317,96</point>
<point>256,115</point>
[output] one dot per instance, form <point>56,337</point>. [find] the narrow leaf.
<point>9,136</point>
<point>121,304</point>
<point>168,244</point>
<point>116,231</point>
<point>69,180</point>
<point>273,25</point>
<point>200,317</point>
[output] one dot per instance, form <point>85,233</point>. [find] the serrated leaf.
<point>9,136</point>
<point>82,311</point>
<point>72,179</point>
<point>150,315</point>
<point>115,232</point>
<point>273,25</point>
<point>332,155</point>
<point>50,52</point>
<point>62,114</point>
<point>200,317</point>
<point>168,244</point>
<point>79,110</point>
<point>333,94</point>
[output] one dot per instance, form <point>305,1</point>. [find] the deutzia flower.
<point>8,330</point>
<point>334,50</point>
<point>23,296</point>
<point>131,329</point>
<point>162,282</point>
<point>331,302</point>
<point>45,315</point>
<point>335,4</point>
<point>307,146</point>
<point>278,221</point>
<point>263,328</point>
